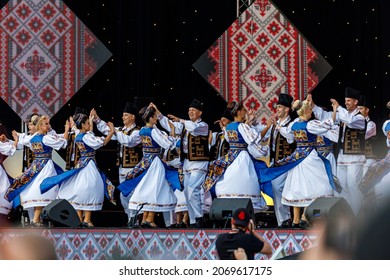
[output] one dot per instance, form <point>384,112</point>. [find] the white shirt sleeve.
<point>93,141</point>
<point>321,114</point>
<point>103,127</point>
<point>252,139</point>
<point>198,128</point>
<point>164,121</point>
<point>54,141</point>
<point>214,138</point>
<point>287,132</point>
<point>7,148</point>
<point>325,128</point>
<point>352,120</point>
<point>370,130</point>
<point>165,141</point>
<point>24,140</point>
<point>131,140</point>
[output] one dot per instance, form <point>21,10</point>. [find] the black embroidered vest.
<point>220,148</point>
<point>71,149</point>
<point>130,156</point>
<point>282,147</point>
<point>198,148</point>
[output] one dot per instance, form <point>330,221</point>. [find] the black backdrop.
<point>154,44</point>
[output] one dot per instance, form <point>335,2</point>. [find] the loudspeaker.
<point>61,213</point>
<point>223,208</point>
<point>328,207</point>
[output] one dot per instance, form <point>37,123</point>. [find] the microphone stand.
<point>133,219</point>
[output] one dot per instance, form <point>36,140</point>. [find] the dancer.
<point>28,184</point>
<point>309,176</point>
<point>195,155</point>
<point>152,182</point>
<point>351,145</point>
<point>234,175</point>
<point>281,146</point>
<point>129,151</point>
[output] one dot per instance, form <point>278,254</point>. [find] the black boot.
<point>199,223</point>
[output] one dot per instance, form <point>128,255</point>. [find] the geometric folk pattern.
<point>260,56</point>
<point>109,244</point>
<point>47,54</point>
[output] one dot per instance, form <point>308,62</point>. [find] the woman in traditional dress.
<point>153,183</point>
<point>85,185</point>
<point>28,184</point>
<point>234,175</point>
<point>309,175</point>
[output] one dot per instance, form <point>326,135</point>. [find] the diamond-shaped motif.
<point>182,249</point>
<point>117,249</point>
<point>90,249</point>
<point>35,66</point>
<point>23,37</point>
<point>65,249</point>
<point>78,244</point>
<point>23,12</point>
<point>155,249</point>
<point>10,24</point>
<point>48,11</point>
<point>46,48</point>
<point>263,77</point>
<point>23,95</point>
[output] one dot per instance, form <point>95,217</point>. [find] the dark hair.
<point>3,130</point>
<point>146,113</point>
<point>79,119</point>
<point>234,106</point>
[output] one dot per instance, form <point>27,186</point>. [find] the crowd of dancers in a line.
<point>179,167</point>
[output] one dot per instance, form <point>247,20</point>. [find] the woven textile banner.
<point>128,244</point>
<point>260,56</point>
<point>47,54</point>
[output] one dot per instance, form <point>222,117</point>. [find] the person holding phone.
<point>242,235</point>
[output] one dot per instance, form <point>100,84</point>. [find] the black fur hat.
<point>285,100</point>
<point>196,104</point>
<point>352,93</point>
<point>131,109</point>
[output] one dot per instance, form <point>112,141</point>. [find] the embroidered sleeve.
<point>165,141</point>
<point>198,128</point>
<point>131,140</point>
<point>352,120</point>
<point>7,148</point>
<point>54,141</point>
<point>93,141</point>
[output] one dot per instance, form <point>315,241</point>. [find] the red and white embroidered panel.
<point>260,56</point>
<point>47,54</point>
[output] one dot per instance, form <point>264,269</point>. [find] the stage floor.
<point>145,244</point>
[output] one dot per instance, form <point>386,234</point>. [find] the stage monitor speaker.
<point>61,214</point>
<point>223,208</point>
<point>328,207</point>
